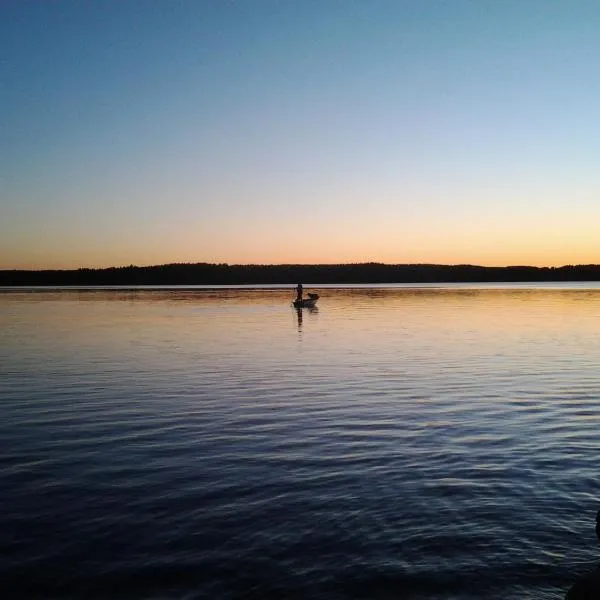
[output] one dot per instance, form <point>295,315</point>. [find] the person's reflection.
<point>313,310</point>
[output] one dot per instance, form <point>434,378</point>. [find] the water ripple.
<point>396,443</point>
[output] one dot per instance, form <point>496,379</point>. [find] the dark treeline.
<point>224,274</point>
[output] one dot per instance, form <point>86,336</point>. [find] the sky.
<point>308,131</point>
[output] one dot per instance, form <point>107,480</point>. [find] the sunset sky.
<point>307,131</point>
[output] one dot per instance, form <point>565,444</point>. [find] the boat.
<point>309,302</point>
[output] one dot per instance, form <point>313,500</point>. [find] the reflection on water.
<point>313,310</point>
<point>394,443</point>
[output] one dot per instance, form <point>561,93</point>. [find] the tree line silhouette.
<point>226,274</point>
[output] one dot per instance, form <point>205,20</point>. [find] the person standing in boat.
<point>299,292</point>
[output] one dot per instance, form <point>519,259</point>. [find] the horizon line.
<point>334,264</point>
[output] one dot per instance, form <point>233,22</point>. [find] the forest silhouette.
<point>284,274</point>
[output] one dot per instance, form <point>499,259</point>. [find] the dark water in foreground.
<point>397,443</point>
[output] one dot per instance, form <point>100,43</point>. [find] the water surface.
<point>434,442</point>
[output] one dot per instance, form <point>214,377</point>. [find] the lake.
<point>396,442</point>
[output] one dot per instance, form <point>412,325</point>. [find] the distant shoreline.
<point>287,274</point>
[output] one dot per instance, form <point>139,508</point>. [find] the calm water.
<point>396,443</point>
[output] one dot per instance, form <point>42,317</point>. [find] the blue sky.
<point>308,131</point>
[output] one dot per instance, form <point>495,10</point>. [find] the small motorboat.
<point>306,302</point>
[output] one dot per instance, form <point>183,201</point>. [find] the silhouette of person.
<point>299,292</point>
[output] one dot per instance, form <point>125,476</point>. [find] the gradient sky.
<point>307,131</point>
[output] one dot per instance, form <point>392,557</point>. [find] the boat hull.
<point>305,303</point>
